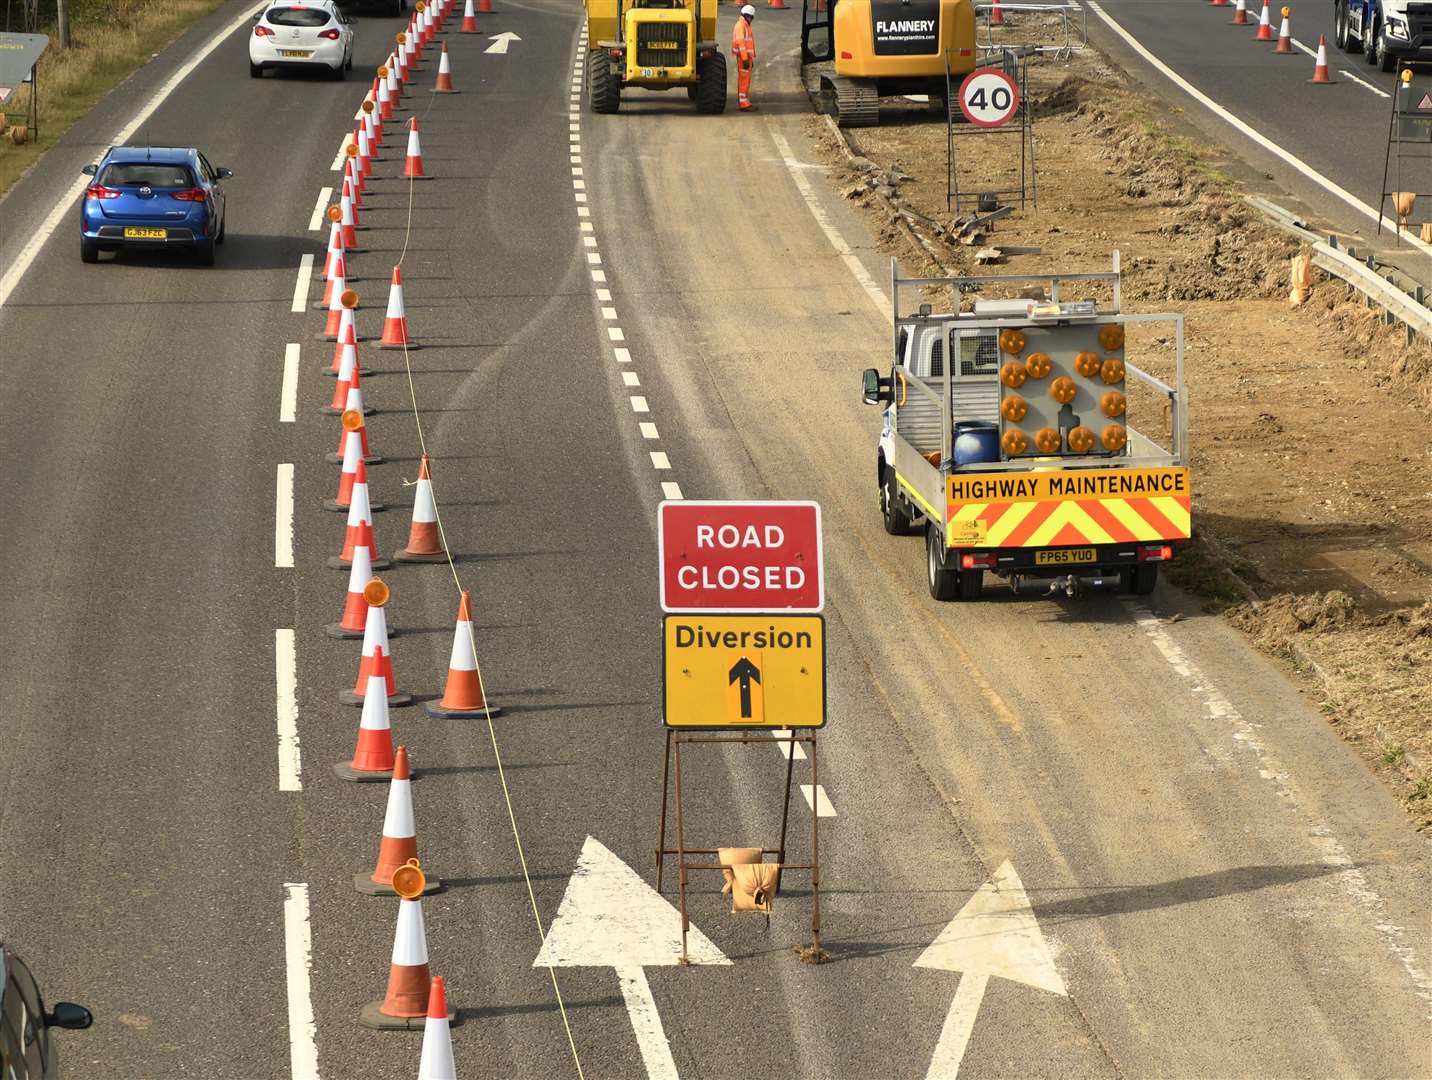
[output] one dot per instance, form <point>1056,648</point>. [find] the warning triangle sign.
<point>1425,105</point>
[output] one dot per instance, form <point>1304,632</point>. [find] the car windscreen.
<point>146,173</point>
<point>293,16</point>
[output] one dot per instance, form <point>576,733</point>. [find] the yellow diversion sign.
<point>744,671</point>
<point>1068,507</point>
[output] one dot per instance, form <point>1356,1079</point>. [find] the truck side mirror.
<point>873,389</point>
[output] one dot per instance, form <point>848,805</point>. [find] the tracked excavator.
<point>656,44</point>
<point>885,48</point>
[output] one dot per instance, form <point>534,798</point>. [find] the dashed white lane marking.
<point>298,958</point>
<point>316,221</point>
<point>616,333</point>
<point>648,430</point>
<point>629,378</point>
<point>283,517</point>
<point>1349,875</point>
<point>300,287</point>
<point>64,205</point>
<point>659,460</point>
<point>599,275</point>
<point>342,153</point>
<point>589,241</point>
<point>623,355</point>
<point>832,235</point>
<point>584,211</point>
<point>818,801</point>
<point>288,393</point>
<point>285,670</point>
<point>639,405</point>
<point>1248,131</point>
<point>609,313</point>
<point>670,489</point>
<point>787,748</point>
<point>604,295</point>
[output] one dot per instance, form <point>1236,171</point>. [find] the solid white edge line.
<point>316,221</point>
<point>300,287</point>
<point>1379,91</point>
<point>64,205</point>
<point>818,801</point>
<point>1262,140</point>
<point>283,517</point>
<point>288,393</point>
<point>298,959</point>
<point>285,671</point>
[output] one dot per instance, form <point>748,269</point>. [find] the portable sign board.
<point>18,55</point>
<point>988,97</point>
<point>740,556</point>
<point>743,671</point>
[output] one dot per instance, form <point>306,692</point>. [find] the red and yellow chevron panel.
<point>1060,509</point>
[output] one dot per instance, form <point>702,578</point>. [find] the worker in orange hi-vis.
<point>743,48</point>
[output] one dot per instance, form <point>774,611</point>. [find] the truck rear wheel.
<point>604,93</point>
<point>710,94</point>
<point>944,580</point>
<point>1139,580</point>
<point>897,522</point>
<point>971,584</point>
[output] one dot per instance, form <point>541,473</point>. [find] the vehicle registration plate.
<point>662,45</point>
<point>145,234</point>
<point>1067,555</point>
<point>296,53</point>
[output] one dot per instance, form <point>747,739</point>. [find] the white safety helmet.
<point>748,11</point>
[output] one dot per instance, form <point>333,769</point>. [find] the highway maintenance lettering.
<point>1105,483</point>
<point>687,637</point>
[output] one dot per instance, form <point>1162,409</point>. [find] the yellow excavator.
<point>885,48</point>
<point>656,44</point>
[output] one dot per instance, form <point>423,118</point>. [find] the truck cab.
<point>1384,31</point>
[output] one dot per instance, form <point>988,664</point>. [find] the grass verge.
<point>110,42</point>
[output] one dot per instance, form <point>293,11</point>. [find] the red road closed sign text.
<point>740,556</point>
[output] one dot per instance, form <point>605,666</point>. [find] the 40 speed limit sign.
<point>988,97</point>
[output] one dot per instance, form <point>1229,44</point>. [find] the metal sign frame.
<point>1014,63</point>
<point>1408,125</point>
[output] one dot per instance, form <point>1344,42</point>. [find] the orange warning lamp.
<point>351,149</point>
<point>1014,442</point>
<point>1063,389</point>
<point>1111,336</point>
<point>409,880</point>
<point>1014,408</point>
<point>335,214</point>
<point>1406,75</point>
<point>367,105</point>
<point>382,71</point>
<point>1081,440</point>
<point>1112,371</point>
<point>376,592</point>
<point>1287,11</point>
<point>1012,374</point>
<point>402,38</point>
<point>348,298</point>
<point>420,6</point>
<point>1087,364</point>
<point>1112,404</point>
<point>1047,440</point>
<point>1011,341</point>
<point>1114,437</point>
<point>1038,365</point>
<point>351,420</point>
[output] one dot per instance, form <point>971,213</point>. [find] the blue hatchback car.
<point>153,196</point>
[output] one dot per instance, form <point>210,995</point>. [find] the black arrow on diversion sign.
<point>747,672</point>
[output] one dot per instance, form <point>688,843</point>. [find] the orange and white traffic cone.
<point>484,7</point>
<point>354,471</point>
<point>335,240</point>
<point>373,756</point>
<point>347,225</point>
<point>444,83</point>
<point>996,16</point>
<point>361,164</point>
<point>346,299</point>
<point>395,323</point>
<point>425,543</point>
<point>400,836</point>
<point>1320,65</point>
<point>1285,34</point>
<point>333,283</point>
<point>376,657</point>
<point>359,533</point>
<point>469,19</point>
<point>353,403</point>
<point>413,164</point>
<point>1240,13</point>
<point>1265,27</point>
<point>405,1005</point>
<point>375,125</point>
<point>347,335</point>
<point>355,605</point>
<point>462,696</point>
<point>776,5</point>
<point>348,370</point>
<point>385,96</point>
<point>436,1062</point>
<point>1219,3</point>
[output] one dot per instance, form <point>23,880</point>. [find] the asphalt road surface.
<point>1219,887</point>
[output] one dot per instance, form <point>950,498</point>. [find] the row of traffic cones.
<point>1284,42</point>
<point>414,996</point>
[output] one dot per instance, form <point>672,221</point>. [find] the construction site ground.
<point>1310,426</point>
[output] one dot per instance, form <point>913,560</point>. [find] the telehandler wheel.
<point>604,94</point>
<point>943,579</point>
<point>710,94</point>
<point>897,522</point>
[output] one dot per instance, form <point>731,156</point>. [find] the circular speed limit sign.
<point>988,97</point>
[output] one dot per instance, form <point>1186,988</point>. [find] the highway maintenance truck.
<point>1007,442</point>
<point>656,44</point>
<point>1384,31</point>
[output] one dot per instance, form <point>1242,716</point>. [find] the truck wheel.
<point>897,522</point>
<point>971,584</point>
<point>1139,580</point>
<point>604,94</point>
<point>1370,38</point>
<point>1382,55</point>
<point>1342,29</point>
<point>943,579</point>
<point>711,84</point>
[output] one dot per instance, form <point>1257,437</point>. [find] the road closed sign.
<point>740,556</point>
<point>988,97</point>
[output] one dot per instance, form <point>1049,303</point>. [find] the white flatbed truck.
<point>1006,438</point>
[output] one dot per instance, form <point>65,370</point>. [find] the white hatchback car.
<point>310,34</point>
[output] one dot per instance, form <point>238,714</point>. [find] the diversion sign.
<point>904,29</point>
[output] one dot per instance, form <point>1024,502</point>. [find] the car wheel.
<point>255,72</point>
<point>223,228</point>
<point>338,74</point>
<point>89,251</point>
<point>204,253</point>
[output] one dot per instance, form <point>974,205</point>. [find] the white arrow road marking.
<point>501,41</point>
<point>610,917</point>
<point>995,933</point>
